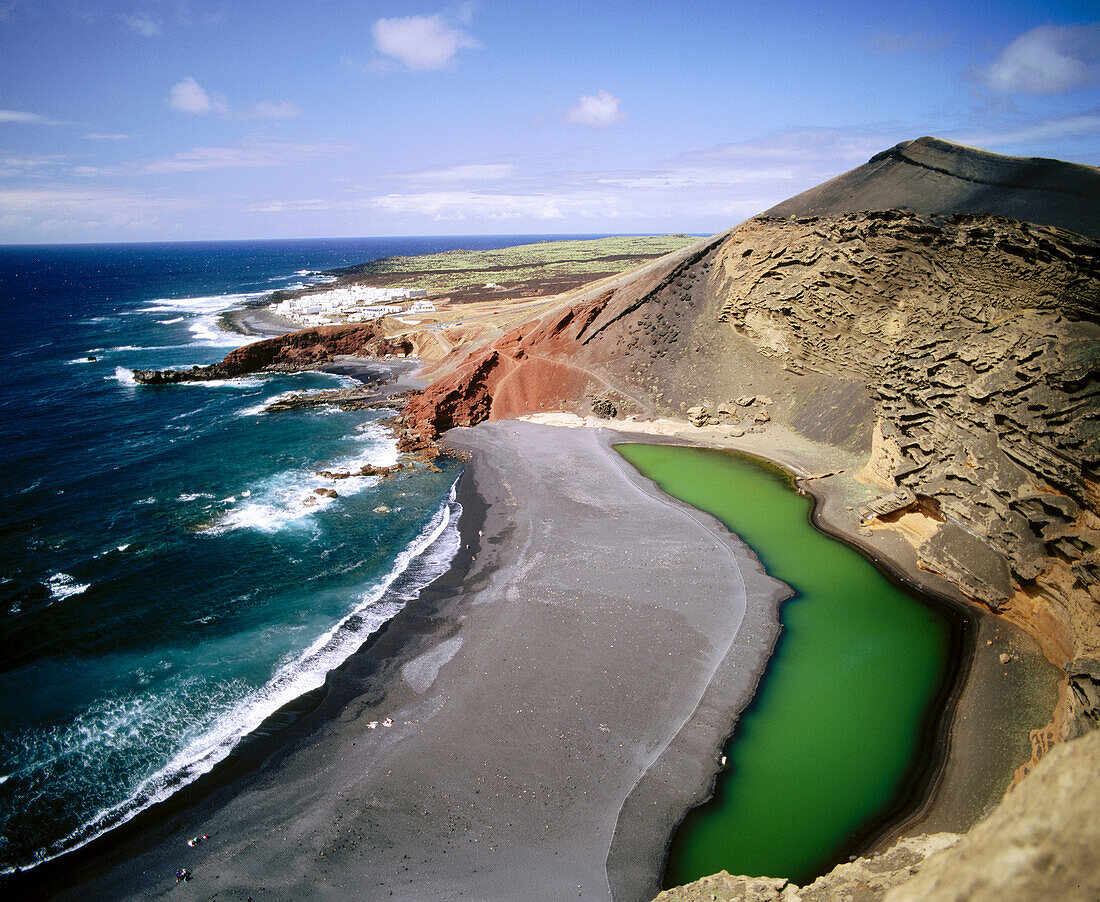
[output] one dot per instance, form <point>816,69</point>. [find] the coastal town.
<point>353,304</point>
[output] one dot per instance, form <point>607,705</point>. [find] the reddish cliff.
<point>294,351</point>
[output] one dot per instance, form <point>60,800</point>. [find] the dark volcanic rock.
<point>604,408</point>
<point>930,175</point>
<point>293,351</point>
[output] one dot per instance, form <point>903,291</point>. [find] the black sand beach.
<point>558,703</point>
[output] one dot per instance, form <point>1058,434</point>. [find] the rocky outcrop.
<point>294,351</point>
<point>538,365</point>
<point>1039,843</point>
<point>979,339</point>
<point>358,397</point>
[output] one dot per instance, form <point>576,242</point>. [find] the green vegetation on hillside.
<point>544,260</point>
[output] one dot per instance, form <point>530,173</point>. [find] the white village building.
<point>356,303</point>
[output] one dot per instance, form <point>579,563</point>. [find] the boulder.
<point>698,416</point>
<point>604,408</point>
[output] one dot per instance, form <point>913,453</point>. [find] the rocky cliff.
<point>978,342</point>
<point>293,351</point>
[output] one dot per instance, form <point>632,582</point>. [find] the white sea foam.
<point>209,333</point>
<point>88,354</point>
<point>425,559</point>
<point>113,549</point>
<point>172,321</point>
<point>62,586</point>
<point>258,409</point>
<point>208,303</point>
<point>238,382</point>
<point>343,380</point>
<point>290,497</point>
<point>194,496</point>
<point>123,375</point>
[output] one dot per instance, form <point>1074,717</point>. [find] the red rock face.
<point>308,346</point>
<point>536,366</point>
<point>544,364</point>
<point>294,351</point>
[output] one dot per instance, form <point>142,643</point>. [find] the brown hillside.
<point>933,176</point>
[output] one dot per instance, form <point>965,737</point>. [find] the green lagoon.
<point>842,717</point>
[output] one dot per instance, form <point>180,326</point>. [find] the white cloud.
<point>855,144</point>
<point>1053,129</point>
<point>599,110</point>
<point>31,166</point>
<point>1050,59</point>
<point>26,118</point>
<point>420,42</point>
<point>61,211</point>
<point>188,96</point>
<point>697,177</point>
<point>240,156</point>
<point>283,109</point>
<point>459,205</point>
<point>464,172</point>
<point>142,23</point>
<point>309,205</point>
<point>107,136</point>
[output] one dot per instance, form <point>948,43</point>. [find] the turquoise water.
<point>837,725</point>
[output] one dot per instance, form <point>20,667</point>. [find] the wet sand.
<point>559,701</point>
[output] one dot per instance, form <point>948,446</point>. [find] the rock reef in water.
<point>287,353</point>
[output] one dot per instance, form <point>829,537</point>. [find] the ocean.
<point>168,574</point>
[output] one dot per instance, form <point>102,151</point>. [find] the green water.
<point>837,725</point>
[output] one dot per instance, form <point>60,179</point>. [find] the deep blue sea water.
<point>168,576</point>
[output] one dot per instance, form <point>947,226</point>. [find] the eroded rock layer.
<point>978,339</point>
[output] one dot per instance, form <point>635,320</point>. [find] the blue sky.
<point>168,120</point>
